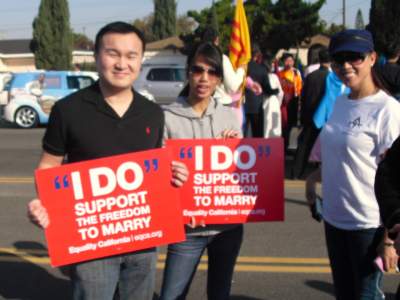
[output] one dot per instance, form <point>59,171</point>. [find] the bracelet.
<point>388,244</point>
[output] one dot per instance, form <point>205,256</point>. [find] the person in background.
<point>104,119</point>
<point>272,106</point>
<point>312,93</point>
<point>229,92</point>
<point>233,79</point>
<point>196,114</point>
<point>363,125</point>
<point>389,73</point>
<point>387,191</point>
<point>253,105</point>
<point>292,84</point>
<point>313,62</point>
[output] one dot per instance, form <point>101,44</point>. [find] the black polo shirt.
<point>84,126</point>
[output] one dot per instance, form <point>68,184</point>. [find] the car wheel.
<point>26,117</point>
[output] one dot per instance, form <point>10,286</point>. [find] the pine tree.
<point>359,20</point>
<point>52,36</point>
<point>213,18</point>
<point>384,25</point>
<point>164,24</point>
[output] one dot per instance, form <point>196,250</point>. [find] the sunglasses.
<point>198,70</point>
<point>353,58</point>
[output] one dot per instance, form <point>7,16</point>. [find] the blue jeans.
<point>351,254</point>
<point>133,273</point>
<point>183,258</point>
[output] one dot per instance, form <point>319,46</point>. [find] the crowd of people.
<point>349,116</point>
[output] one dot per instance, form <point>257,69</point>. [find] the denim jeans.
<point>351,254</point>
<point>183,258</point>
<point>133,273</point>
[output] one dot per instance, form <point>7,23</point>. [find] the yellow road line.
<point>162,257</point>
<point>23,251</point>
<point>16,180</point>
<point>202,266</point>
<point>264,259</point>
<point>244,263</point>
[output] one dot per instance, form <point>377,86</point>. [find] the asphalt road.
<point>278,260</point>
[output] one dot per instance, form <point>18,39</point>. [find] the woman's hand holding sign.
<point>230,134</point>
<point>37,213</point>
<point>180,173</point>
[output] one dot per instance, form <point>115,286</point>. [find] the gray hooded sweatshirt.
<point>182,122</point>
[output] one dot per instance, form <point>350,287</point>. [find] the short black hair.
<point>209,35</point>
<point>392,50</point>
<point>323,56</point>
<point>255,49</point>
<point>118,27</point>
<point>286,55</point>
<point>313,54</point>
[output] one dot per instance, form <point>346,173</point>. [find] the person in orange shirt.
<point>292,84</point>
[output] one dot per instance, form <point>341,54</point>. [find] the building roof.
<point>173,42</point>
<point>15,46</point>
<point>316,39</point>
<point>22,46</point>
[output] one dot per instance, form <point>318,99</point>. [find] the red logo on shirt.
<point>148,130</point>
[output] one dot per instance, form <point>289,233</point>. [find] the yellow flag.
<point>239,47</point>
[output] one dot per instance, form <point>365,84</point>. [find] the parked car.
<point>31,95</point>
<point>163,81</point>
<point>4,80</point>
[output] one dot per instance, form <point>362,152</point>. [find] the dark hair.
<point>286,55</point>
<point>313,54</point>
<point>212,56</point>
<point>209,35</point>
<point>118,27</point>
<point>391,51</point>
<point>255,49</point>
<point>323,56</point>
<point>379,83</point>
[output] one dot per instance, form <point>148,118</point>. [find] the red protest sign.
<point>110,206</point>
<point>232,181</point>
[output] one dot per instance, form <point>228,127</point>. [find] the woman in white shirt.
<point>363,125</point>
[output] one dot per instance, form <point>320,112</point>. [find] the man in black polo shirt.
<point>107,118</point>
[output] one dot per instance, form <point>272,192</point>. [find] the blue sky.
<point>89,15</point>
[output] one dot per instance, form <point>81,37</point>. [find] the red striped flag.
<point>239,47</point>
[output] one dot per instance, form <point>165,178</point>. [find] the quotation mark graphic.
<point>183,153</point>
<point>148,163</point>
<point>264,150</point>
<point>61,184</point>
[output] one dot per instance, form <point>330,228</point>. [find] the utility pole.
<point>344,13</point>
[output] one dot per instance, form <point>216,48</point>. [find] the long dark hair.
<point>212,56</point>
<point>378,81</point>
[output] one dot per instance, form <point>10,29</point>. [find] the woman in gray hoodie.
<point>197,115</point>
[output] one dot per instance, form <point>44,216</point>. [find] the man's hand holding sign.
<point>109,206</point>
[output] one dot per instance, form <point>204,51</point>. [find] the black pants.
<point>306,142</point>
<point>292,112</point>
<point>256,122</point>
